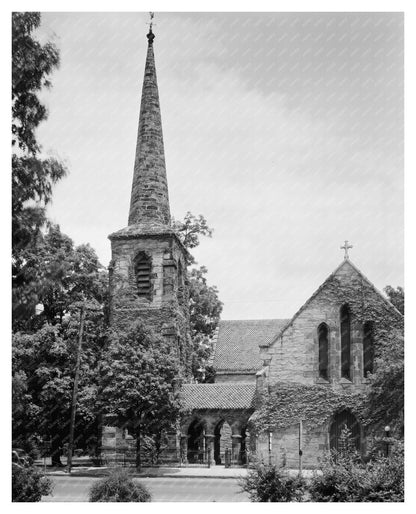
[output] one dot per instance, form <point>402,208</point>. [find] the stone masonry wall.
<point>285,447</point>
<point>294,356</point>
<point>167,309</point>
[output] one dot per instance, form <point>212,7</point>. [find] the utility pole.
<point>300,446</point>
<point>75,389</point>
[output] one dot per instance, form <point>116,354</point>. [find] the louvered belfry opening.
<point>143,268</point>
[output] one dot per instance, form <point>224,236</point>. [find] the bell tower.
<point>148,267</point>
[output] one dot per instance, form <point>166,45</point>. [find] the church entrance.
<point>196,442</point>
<point>222,441</point>
<point>342,420</point>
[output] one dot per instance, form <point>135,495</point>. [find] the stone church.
<point>329,341</point>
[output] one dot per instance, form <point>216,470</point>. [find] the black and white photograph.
<point>207,239</point>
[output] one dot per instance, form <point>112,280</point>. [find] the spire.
<point>149,194</point>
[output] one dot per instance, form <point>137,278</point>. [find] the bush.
<point>28,485</point>
<point>271,484</point>
<point>118,487</point>
<point>347,479</point>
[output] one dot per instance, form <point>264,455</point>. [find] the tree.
<point>138,376</point>
<point>43,373</point>
<point>385,399</point>
<point>33,176</point>
<point>56,274</point>
<point>205,305</point>
<point>190,229</point>
<point>205,310</point>
<point>396,297</point>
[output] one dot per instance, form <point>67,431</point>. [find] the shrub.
<point>118,487</point>
<point>28,485</point>
<point>271,484</point>
<point>347,479</point>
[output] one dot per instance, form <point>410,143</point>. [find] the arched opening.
<point>345,319</point>
<point>337,440</point>
<point>368,347</point>
<point>196,442</point>
<point>243,449</point>
<point>142,271</point>
<point>323,350</point>
<point>222,441</point>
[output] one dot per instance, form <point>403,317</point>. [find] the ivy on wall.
<point>288,403</point>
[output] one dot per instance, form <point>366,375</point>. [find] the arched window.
<point>368,347</point>
<point>344,420</point>
<point>323,350</point>
<point>345,319</point>
<point>180,274</point>
<point>142,269</point>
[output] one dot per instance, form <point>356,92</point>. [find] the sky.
<point>285,130</point>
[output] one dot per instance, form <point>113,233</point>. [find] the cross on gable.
<point>346,247</point>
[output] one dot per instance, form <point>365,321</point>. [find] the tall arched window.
<point>323,350</point>
<point>368,347</point>
<point>345,319</point>
<point>180,274</point>
<point>142,269</point>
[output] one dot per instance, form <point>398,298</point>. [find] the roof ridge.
<point>252,320</point>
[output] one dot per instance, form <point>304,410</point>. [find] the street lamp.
<point>387,432</point>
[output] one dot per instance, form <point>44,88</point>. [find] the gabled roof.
<point>237,345</point>
<point>218,396</point>
<point>345,262</point>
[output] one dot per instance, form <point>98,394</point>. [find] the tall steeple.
<point>147,272</point>
<point>149,204</point>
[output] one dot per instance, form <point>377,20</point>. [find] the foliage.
<point>288,402</point>
<point>345,478</point>
<point>205,309</point>
<point>271,484</point>
<point>28,485</point>
<point>139,372</point>
<point>56,274</point>
<point>33,176</point>
<point>118,487</point>
<point>385,400</point>
<point>32,63</point>
<point>205,306</point>
<point>396,297</point>
<point>190,229</point>
<point>43,373</point>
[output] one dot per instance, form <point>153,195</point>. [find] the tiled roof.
<point>218,396</point>
<point>237,344</point>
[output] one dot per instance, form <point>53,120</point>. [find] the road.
<point>163,489</point>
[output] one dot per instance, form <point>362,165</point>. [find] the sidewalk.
<point>171,472</point>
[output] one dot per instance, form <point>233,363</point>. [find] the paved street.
<point>163,489</point>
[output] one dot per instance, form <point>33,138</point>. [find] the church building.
<point>329,343</point>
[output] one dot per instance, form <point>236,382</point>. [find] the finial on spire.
<point>346,247</point>
<point>150,35</point>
